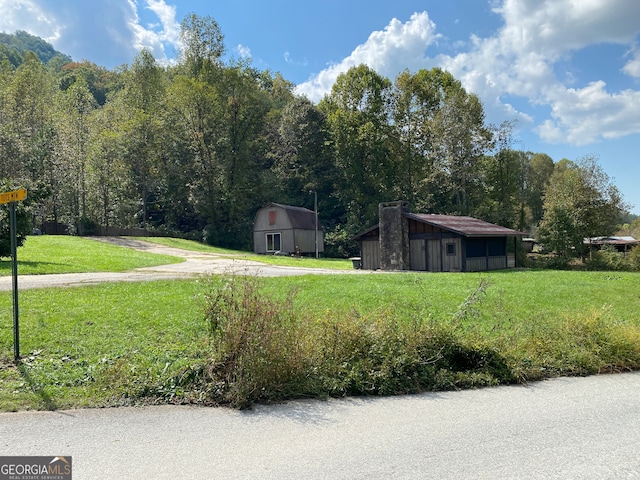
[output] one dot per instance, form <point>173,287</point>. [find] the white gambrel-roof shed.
<point>286,229</point>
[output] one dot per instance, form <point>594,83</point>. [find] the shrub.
<point>338,244</point>
<point>608,258</point>
<point>258,345</point>
<point>633,257</point>
<point>264,350</point>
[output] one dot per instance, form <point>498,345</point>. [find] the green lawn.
<point>117,344</point>
<point>308,262</point>
<point>47,254</point>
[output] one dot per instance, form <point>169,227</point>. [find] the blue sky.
<point>568,71</point>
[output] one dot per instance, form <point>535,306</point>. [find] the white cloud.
<point>244,52</point>
<point>632,68</point>
<point>107,32</point>
<point>398,46</point>
<point>519,62</point>
<point>520,59</point>
<point>28,16</point>
<point>580,116</point>
<point>291,61</point>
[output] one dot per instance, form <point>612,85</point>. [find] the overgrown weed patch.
<point>240,340</point>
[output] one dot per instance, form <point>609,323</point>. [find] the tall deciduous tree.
<point>415,102</point>
<point>460,139</point>
<point>240,149</point>
<point>303,160</point>
<point>142,130</point>
<point>540,170</point>
<point>203,45</point>
<point>358,119</point>
<point>76,106</point>
<point>580,202</point>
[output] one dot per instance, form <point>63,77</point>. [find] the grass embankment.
<point>314,336</point>
<point>289,261</point>
<point>47,254</point>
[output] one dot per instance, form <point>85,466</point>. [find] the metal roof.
<point>466,226</point>
<point>611,241</point>
<point>300,217</point>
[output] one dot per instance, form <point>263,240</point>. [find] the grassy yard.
<point>47,254</point>
<point>309,262</point>
<point>317,336</point>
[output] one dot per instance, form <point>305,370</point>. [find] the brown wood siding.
<point>417,255</point>
<point>452,263</point>
<point>481,264</point>
<point>370,254</point>
<point>420,227</point>
<point>434,256</point>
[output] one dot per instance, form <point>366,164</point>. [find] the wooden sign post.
<point>11,198</point>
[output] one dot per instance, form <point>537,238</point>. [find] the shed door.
<point>417,255</point>
<point>434,258</point>
<point>452,255</point>
<point>370,255</point>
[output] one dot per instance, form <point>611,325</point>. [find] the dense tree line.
<point>198,147</point>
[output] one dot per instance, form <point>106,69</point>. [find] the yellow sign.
<point>14,196</point>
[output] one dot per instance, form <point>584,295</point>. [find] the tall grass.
<point>265,350</point>
<point>239,340</point>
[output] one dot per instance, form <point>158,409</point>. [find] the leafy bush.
<point>608,258</point>
<point>550,261</point>
<point>581,345</point>
<point>338,244</point>
<point>633,257</point>
<point>263,350</point>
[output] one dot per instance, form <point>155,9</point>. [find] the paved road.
<point>194,264</point>
<point>580,428</point>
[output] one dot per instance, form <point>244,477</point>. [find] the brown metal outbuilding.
<point>285,229</point>
<point>435,243</point>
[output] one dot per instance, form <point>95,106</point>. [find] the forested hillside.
<point>199,146</point>
<point>16,45</point>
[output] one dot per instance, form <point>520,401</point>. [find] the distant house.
<point>434,243</point>
<point>622,244</point>
<point>284,229</point>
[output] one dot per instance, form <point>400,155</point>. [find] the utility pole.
<point>315,211</point>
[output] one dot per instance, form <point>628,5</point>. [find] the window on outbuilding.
<point>273,242</point>
<point>476,247</point>
<point>451,249</point>
<point>497,247</point>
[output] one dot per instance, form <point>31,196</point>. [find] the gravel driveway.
<point>195,264</point>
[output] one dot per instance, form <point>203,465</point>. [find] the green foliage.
<point>200,146</point>
<point>631,228</point>
<point>265,351</point>
<point>257,343</point>
<point>135,343</point>
<point>580,202</point>
<point>23,228</point>
<point>17,44</point>
<point>633,258</point>
<point>610,259</point>
<point>338,244</point>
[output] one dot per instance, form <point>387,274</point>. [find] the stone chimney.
<point>394,236</point>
